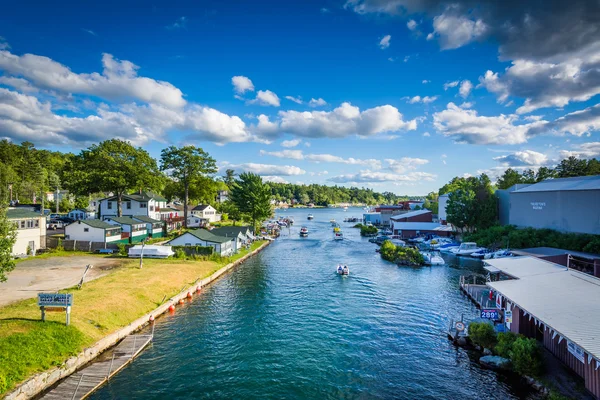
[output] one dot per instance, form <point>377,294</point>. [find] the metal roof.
<point>124,220</point>
<point>231,230</point>
<point>145,218</point>
<point>421,226</point>
<point>201,207</point>
<point>14,213</point>
<point>205,235</point>
<point>564,301</point>
<point>96,223</point>
<point>562,184</point>
<point>520,267</point>
<point>551,251</point>
<point>410,214</point>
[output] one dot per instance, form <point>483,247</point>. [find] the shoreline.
<point>40,382</point>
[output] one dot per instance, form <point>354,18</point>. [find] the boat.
<point>466,249</point>
<point>398,242</point>
<point>498,254</point>
<point>304,231</point>
<point>310,217</point>
<point>342,270</point>
<point>333,223</point>
<point>150,251</point>
<point>387,232</point>
<point>447,248</point>
<point>431,258</point>
<point>345,208</point>
<point>338,235</point>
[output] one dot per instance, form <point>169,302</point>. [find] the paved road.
<point>51,274</point>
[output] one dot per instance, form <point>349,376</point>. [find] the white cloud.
<point>412,24</point>
<point>91,32</point>
<point>424,99</point>
<point>180,23</point>
<point>584,150</point>
<point>577,123</point>
<point>265,169</point>
<point>425,81</point>
<point>523,158</point>
<point>266,98</point>
<point>297,100</point>
<point>465,88</point>
<point>293,154</point>
<point>118,81</point>
<point>242,84</point>
<point>321,158</point>
<point>291,143</point>
<point>18,83</point>
<point>455,31</point>
<point>274,179</point>
<point>426,134</point>
<point>4,44</point>
<point>368,176</point>
<point>384,43</point>
<point>405,164</point>
<point>317,102</point>
<point>449,85</point>
<point>467,104</point>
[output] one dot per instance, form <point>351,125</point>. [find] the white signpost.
<point>576,351</point>
<point>55,302</point>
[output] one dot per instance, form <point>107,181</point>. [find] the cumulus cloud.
<point>293,154</point>
<point>291,143</point>
<point>425,81</point>
<point>317,102</point>
<point>577,123</point>
<point>424,99</point>
<point>384,43</point>
<point>405,164</point>
<point>343,121</point>
<point>242,84</point>
<point>274,179</point>
<point>449,85</point>
<point>412,24</point>
<point>4,44</point>
<point>266,98</point>
<point>321,158</point>
<point>465,88</point>
<point>265,169</point>
<point>119,79</point>
<point>20,84</point>
<point>522,158</point>
<point>180,23</point>
<point>368,176</point>
<point>454,30</point>
<point>297,100</point>
<point>585,150</point>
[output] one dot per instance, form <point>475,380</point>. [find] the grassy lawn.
<point>59,253</point>
<point>102,306</point>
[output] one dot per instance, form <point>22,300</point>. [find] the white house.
<point>154,227</point>
<point>31,231</point>
<point>94,230</point>
<point>242,234</point>
<point>207,212</point>
<point>134,230</point>
<point>195,222</point>
<point>223,246</point>
<point>172,215</point>
<point>143,203</point>
<point>78,214</point>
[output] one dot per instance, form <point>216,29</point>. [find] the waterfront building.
<point>242,234</point>
<point>154,228</point>
<point>222,246</point>
<point>373,218</point>
<point>206,212</point>
<point>94,230</point>
<point>556,305</point>
<point>388,211</point>
<point>407,230</point>
<point>142,203</point>
<point>31,231</point>
<point>588,263</point>
<point>134,231</point>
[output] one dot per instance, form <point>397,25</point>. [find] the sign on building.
<point>54,302</point>
<point>577,351</point>
<point>490,313</point>
<point>508,316</point>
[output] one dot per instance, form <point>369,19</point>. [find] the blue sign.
<point>55,299</point>
<point>490,313</point>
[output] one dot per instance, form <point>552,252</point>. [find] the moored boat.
<point>466,249</point>
<point>304,231</point>
<point>431,258</point>
<point>342,270</point>
<point>310,217</point>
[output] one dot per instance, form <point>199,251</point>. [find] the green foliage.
<point>122,249</point>
<point>526,356</point>
<point>252,197</point>
<point>368,230</point>
<point>81,202</point>
<point>432,202</point>
<point>505,343</point>
<point>8,236</point>
<point>482,334</point>
<point>400,255</point>
<point>179,254</point>
<point>194,250</point>
<point>229,177</point>
<point>230,209</point>
<point>472,204</point>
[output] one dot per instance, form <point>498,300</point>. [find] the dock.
<point>82,383</point>
<point>476,292</point>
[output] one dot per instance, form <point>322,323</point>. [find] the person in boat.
<point>345,269</point>
<point>340,269</point>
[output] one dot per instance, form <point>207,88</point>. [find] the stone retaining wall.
<point>42,381</point>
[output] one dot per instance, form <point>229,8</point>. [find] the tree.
<point>112,166</point>
<point>473,204</point>
<point>509,178</point>
<point>570,167</point>
<point>252,197</point>
<point>186,164</point>
<point>82,202</point>
<point>229,208</point>
<point>8,236</point>
<point>544,173</point>
<point>229,177</point>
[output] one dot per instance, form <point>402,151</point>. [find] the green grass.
<point>59,253</point>
<point>102,306</point>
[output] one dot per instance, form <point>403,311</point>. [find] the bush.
<point>122,249</point>
<point>368,230</point>
<point>180,254</point>
<point>400,255</point>
<point>482,334</point>
<point>526,356</point>
<point>388,251</point>
<point>505,343</point>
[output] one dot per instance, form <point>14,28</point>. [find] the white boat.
<point>432,258</point>
<point>338,235</point>
<point>466,249</point>
<point>310,216</point>
<point>498,254</point>
<point>398,242</point>
<point>345,208</point>
<point>304,231</point>
<point>150,251</point>
<point>342,270</point>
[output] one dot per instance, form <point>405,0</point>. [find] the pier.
<point>82,383</point>
<point>478,293</point>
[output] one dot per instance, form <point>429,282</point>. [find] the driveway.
<point>51,274</point>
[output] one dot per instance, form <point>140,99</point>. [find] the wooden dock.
<point>82,383</point>
<point>477,293</point>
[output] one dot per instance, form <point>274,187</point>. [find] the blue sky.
<point>406,94</point>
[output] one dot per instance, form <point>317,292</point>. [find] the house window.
<point>86,229</point>
<point>109,205</point>
<point>128,203</point>
<point>143,205</point>
<point>22,224</point>
<point>151,208</point>
<point>37,223</point>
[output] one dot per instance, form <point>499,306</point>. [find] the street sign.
<point>508,316</point>
<point>55,299</point>
<point>460,326</point>
<point>490,313</point>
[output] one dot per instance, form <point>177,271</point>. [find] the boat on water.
<point>338,235</point>
<point>304,231</point>
<point>342,270</point>
<point>345,208</point>
<point>150,251</point>
<point>432,258</point>
<point>310,217</point>
<point>333,223</point>
<point>447,248</point>
<point>466,249</point>
<point>488,254</point>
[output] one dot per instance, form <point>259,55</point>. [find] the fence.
<point>80,245</point>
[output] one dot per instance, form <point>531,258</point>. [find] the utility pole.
<point>56,200</point>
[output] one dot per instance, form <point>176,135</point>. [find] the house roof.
<point>77,209</point>
<point>562,184</point>
<point>146,219</point>
<point>520,267</point>
<point>551,251</point>
<point>410,214</point>
<point>95,223</point>
<point>124,220</point>
<point>201,207</point>
<point>422,226</point>
<point>14,213</point>
<point>230,231</point>
<point>140,196</point>
<point>565,301</point>
<point>207,236</point>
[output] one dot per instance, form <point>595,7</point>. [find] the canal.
<point>284,325</point>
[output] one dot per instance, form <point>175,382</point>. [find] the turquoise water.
<point>285,326</point>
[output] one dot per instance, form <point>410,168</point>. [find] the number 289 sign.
<point>490,313</point>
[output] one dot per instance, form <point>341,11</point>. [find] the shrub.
<point>122,249</point>
<point>368,230</point>
<point>400,255</point>
<point>505,343</point>
<point>526,356</point>
<point>482,334</point>
<point>180,254</point>
<point>388,251</point>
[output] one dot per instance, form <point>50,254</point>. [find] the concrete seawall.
<point>44,380</point>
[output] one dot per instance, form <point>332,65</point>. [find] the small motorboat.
<point>342,270</point>
<point>304,231</point>
<point>345,208</point>
<point>150,251</point>
<point>310,217</point>
<point>338,235</point>
<point>498,254</point>
<point>431,258</point>
<point>466,249</point>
